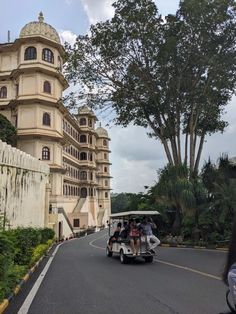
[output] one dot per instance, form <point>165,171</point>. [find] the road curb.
<point>4,305</point>
<point>18,287</point>
<point>193,247</point>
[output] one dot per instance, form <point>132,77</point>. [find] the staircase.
<point>79,205</point>
<point>100,217</point>
<point>61,210</point>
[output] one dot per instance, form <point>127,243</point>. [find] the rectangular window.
<point>76,223</point>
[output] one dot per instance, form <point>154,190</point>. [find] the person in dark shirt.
<point>125,231</point>
<point>115,236</point>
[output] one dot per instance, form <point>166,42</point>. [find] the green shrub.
<point>6,264</point>
<point>46,234</point>
<point>25,239</point>
<point>39,251</point>
<point>49,243</point>
<point>19,249</point>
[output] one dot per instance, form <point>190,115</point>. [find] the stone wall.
<point>24,189</point>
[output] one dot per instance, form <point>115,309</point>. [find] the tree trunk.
<point>174,151</point>
<point>176,227</point>
<point>186,150</point>
<point>167,150</point>
<point>199,154</point>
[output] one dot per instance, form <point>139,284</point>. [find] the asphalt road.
<point>81,279</point>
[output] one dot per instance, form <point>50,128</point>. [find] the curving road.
<point>81,279</point>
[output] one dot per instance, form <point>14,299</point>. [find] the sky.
<point>135,157</point>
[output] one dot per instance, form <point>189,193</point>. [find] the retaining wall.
<point>23,182</point>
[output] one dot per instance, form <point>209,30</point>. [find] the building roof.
<point>101,132</point>
<point>85,110</point>
<point>40,28</point>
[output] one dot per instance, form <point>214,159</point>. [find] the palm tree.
<point>177,191</point>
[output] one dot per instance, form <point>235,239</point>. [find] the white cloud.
<point>132,176</point>
<point>98,10</point>
<point>68,2</point>
<point>67,36</point>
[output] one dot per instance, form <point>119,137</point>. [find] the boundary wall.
<point>24,189</point>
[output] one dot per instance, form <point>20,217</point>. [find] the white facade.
<point>31,87</point>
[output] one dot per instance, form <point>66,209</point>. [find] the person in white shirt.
<point>146,227</point>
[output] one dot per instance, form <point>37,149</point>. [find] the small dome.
<point>85,110</point>
<point>40,29</point>
<point>101,132</point>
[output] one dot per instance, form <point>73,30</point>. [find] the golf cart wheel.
<point>123,258</point>
<point>232,308</point>
<point>148,259</point>
<point>108,252</point>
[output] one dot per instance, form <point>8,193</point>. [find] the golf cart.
<point>121,246</point>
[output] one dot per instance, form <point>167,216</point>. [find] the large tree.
<point>173,76</point>
<point>7,131</point>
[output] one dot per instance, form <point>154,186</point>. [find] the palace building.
<point>31,87</point>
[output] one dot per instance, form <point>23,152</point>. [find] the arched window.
<point>3,92</point>
<point>106,194</point>
<point>83,138</point>
<point>83,156</point>
<point>82,121</point>
<point>48,55</point>
<point>30,53</point>
<point>83,175</point>
<point>83,192</point>
<point>91,156</point>
<point>45,153</point>
<point>105,169</point>
<point>91,176</point>
<point>90,139</point>
<point>46,119</point>
<point>47,87</point>
<point>104,142</point>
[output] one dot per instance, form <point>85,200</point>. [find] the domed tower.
<point>87,138</point>
<point>39,85</point>
<point>103,175</point>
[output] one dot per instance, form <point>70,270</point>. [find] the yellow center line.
<point>188,269</point>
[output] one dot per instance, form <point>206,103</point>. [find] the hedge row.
<point>19,249</point>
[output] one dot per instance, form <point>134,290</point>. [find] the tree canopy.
<point>173,75</point>
<point>7,131</point>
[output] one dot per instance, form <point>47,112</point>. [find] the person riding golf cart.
<point>136,239</point>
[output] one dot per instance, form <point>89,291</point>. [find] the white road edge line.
<point>188,269</point>
<point>166,263</point>
<point>95,246</point>
<point>26,305</point>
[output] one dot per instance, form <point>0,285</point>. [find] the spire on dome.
<point>41,18</point>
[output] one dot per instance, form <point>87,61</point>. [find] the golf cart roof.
<point>135,213</point>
